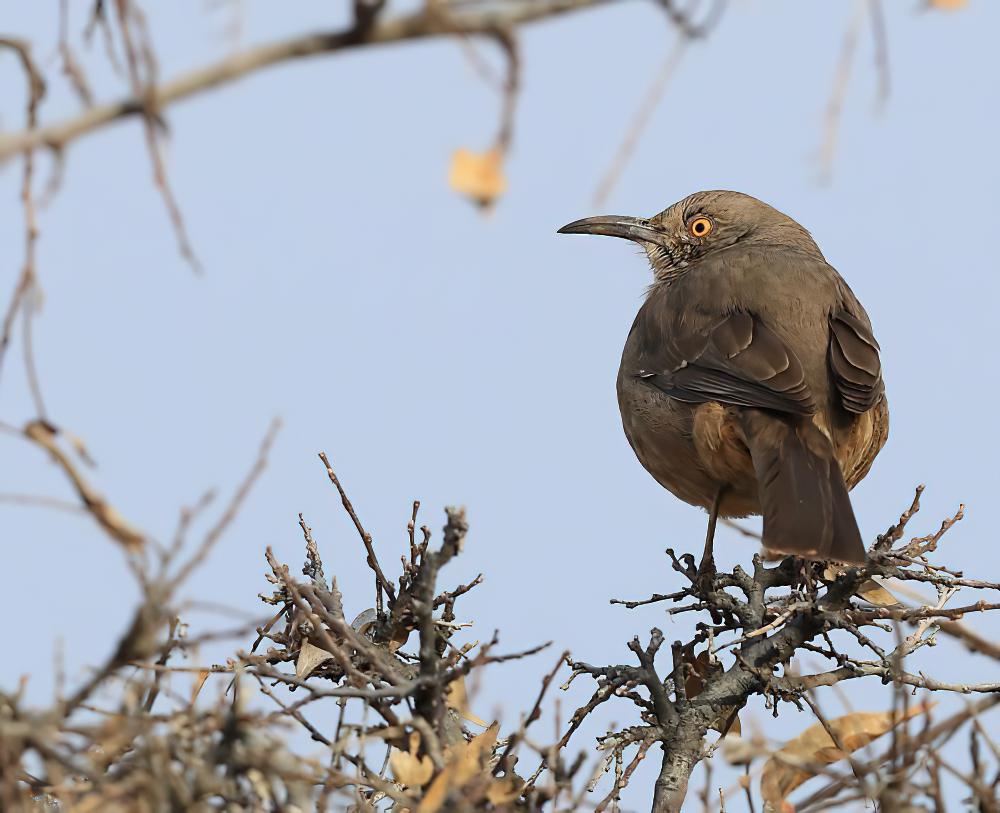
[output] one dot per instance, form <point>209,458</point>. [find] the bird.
<point>751,381</point>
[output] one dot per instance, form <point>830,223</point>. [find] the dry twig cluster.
<point>760,627</point>
<point>381,699</point>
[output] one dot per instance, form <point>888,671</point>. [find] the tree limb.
<point>432,20</point>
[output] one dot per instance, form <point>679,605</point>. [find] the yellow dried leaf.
<point>798,759</point>
<point>309,658</point>
<point>504,790</point>
<point>408,768</point>
<point>469,759</point>
<point>437,793</point>
<point>199,681</point>
<point>478,175</point>
<point>874,593</point>
<point>483,744</point>
<point>949,5</point>
<point>411,770</point>
<point>465,761</point>
<point>458,699</point>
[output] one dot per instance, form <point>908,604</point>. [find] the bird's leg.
<point>805,574</point>
<point>706,570</point>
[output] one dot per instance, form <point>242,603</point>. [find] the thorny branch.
<point>764,622</point>
<point>411,707</point>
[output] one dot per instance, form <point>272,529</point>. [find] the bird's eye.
<point>700,227</point>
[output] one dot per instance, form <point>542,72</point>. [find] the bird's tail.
<point>803,496</point>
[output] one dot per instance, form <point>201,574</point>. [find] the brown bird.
<point>750,381</point>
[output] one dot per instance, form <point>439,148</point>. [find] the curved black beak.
<point>631,228</point>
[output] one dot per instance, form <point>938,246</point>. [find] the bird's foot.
<point>704,577</point>
<point>805,576</point>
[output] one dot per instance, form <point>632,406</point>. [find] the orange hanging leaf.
<point>478,175</point>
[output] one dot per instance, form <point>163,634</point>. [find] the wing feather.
<point>739,360</point>
<point>855,362</point>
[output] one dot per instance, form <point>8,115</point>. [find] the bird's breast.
<point>689,449</point>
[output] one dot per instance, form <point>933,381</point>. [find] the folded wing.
<point>738,360</point>
<point>854,362</point>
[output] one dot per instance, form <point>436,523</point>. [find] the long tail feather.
<point>803,497</point>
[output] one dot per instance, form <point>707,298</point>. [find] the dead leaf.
<point>470,758</point>
<point>408,768</point>
<point>464,761</point>
<point>436,794</point>
<point>797,760</point>
<point>870,590</point>
<point>199,681</point>
<point>874,593</point>
<point>411,771</point>
<point>701,668</point>
<point>949,5</point>
<point>458,699</point>
<point>478,175</point>
<point>309,658</point>
<point>485,741</point>
<point>505,789</point>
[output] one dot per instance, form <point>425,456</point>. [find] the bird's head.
<point>698,226</point>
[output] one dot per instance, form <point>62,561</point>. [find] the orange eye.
<point>700,227</point>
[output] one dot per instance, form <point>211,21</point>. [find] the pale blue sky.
<point>437,354</point>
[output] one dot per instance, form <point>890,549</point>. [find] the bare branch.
<point>421,24</point>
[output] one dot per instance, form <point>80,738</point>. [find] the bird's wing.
<point>854,362</point>
<point>737,360</point>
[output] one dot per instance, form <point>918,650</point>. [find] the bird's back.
<point>793,294</point>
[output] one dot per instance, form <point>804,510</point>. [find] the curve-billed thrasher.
<point>750,381</point>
